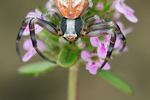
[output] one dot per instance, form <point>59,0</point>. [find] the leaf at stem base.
<point>115,81</point>
<point>36,68</point>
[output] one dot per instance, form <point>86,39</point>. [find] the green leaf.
<point>42,9</point>
<point>36,68</point>
<point>67,56</point>
<point>115,81</point>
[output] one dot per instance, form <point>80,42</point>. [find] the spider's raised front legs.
<point>44,24</point>
<point>110,24</point>
<point>102,32</point>
<point>52,13</point>
<point>88,8</point>
<point>23,27</point>
<point>93,18</point>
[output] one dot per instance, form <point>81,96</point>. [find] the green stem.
<point>73,82</point>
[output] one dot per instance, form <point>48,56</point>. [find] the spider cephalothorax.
<point>71,28</point>
<point>72,25</point>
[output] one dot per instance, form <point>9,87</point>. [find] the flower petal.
<point>99,6</point>
<point>120,24</point>
<point>116,16</point>
<point>130,16</point>
<point>117,43</point>
<point>96,21</point>
<point>127,31</point>
<point>41,45</point>
<point>26,31</point>
<point>27,45</point>
<point>106,67</point>
<point>85,55</point>
<point>126,10</point>
<point>48,5</point>
<point>92,67</point>
<point>102,50</point>
<point>28,55</point>
<point>37,13</point>
<point>38,29</point>
<point>119,7</point>
<point>94,41</point>
<point>81,45</point>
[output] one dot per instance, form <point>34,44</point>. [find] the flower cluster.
<point>102,44</point>
<point>93,50</point>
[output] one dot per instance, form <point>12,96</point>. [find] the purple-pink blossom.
<point>102,46</point>
<point>99,6</point>
<point>81,45</point>
<point>48,6</point>
<point>126,10</point>
<point>94,62</point>
<point>116,16</point>
<point>27,45</point>
<point>38,28</point>
<point>125,32</point>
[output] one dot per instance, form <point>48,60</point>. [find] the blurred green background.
<point>133,67</point>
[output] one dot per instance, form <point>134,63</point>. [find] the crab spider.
<point>72,26</point>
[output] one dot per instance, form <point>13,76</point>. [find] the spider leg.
<point>93,18</point>
<point>88,8</point>
<point>20,33</point>
<point>110,24</point>
<point>54,14</point>
<point>53,5</point>
<point>102,32</point>
<point>47,26</point>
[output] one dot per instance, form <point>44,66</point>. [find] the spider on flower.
<point>71,26</point>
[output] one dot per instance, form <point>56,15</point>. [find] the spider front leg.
<point>54,14</point>
<point>47,26</point>
<point>23,27</point>
<point>110,24</point>
<point>93,18</point>
<point>88,8</point>
<point>50,27</point>
<point>102,32</point>
<point>53,5</point>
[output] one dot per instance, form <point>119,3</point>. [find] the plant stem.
<point>73,82</point>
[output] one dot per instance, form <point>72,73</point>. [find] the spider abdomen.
<point>71,8</point>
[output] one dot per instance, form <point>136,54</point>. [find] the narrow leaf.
<point>67,57</point>
<point>41,9</point>
<point>115,81</point>
<point>36,68</point>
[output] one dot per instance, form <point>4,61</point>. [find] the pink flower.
<point>126,10</point>
<point>102,46</point>
<point>49,6</point>
<point>38,28</point>
<point>93,64</point>
<point>81,45</point>
<point>27,45</point>
<point>99,6</point>
<point>125,32</point>
<point>118,44</point>
<point>116,16</point>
